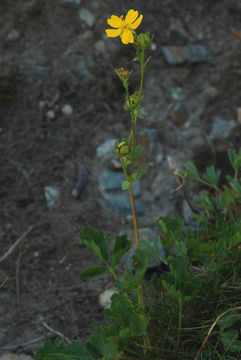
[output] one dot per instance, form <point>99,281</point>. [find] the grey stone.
<point>177,55</point>
<point>32,70</point>
<point>51,195</point>
<point>120,202</point>
<point>105,151</point>
<point>221,128</point>
<point>13,35</point>
<point>176,32</point>
<point>179,114</point>
<point>177,94</point>
<point>78,66</point>
<point>144,234</point>
<point>110,181</point>
<point>197,54</point>
<point>67,110</point>
<point>87,17</point>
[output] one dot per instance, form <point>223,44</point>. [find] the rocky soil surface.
<point>61,108</point>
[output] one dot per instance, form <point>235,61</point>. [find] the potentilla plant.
<point>168,316</point>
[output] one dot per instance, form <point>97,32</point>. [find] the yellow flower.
<point>124,27</point>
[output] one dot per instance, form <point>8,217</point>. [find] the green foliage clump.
<point>198,287</point>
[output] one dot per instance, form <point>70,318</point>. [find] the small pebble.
<point>50,114</point>
<point>13,35</point>
<point>67,110</point>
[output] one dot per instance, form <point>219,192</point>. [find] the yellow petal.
<point>131,16</point>
<point>136,23</point>
<point>127,37</point>
<point>115,21</point>
<point>113,32</point>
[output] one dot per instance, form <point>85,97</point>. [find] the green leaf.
<point>129,282</point>
<point>235,159</point>
<point>76,350</point>
<point>103,347</point>
<point>96,241</point>
<point>192,170</point>
<point>93,272</point>
<point>121,246</point>
<point>50,351</point>
<point>147,61</point>
<point>121,310</point>
<point>212,175</point>
<point>126,314</point>
<point>141,261</point>
<point>230,341</point>
<point>138,151</point>
<point>232,156</point>
<point>229,320</point>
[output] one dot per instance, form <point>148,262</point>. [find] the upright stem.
<point>142,72</point>
<point>133,208</point>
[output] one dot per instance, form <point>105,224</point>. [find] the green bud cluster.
<point>144,41</point>
<point>122,149</point>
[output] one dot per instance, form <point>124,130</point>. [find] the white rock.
<point>67,110</point>
<point>51,195</point>
<point>87,17</point>
<point>105,297</point>
<point>153,46</point>
<point>50,114</point>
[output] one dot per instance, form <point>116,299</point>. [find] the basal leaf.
<point>50,351</point>
<point>76,350</point>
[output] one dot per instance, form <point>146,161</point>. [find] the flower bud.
<point>123,74</point>
<point>144,41</point>
<point>133,101</point>
<point>123,149</point>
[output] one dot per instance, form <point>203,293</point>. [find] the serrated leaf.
<point>126,185</point>
<point>192,170</point>
<point>212,175</point>
<point>101,347</point>
<point>129,282</point>
<point>97,241</point>
<point>121,310</point>
<point>76,350</point>
<point>93,273</point>
<point>141,261</point>
<point>121,246</point>
<point>50,351</point>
